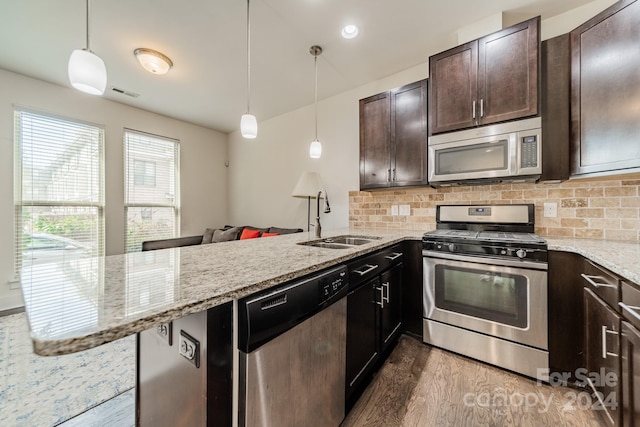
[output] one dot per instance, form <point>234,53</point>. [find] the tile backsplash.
<point>607,209</point>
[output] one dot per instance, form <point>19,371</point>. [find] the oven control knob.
<point>452,247</point>
<point>521,253</point>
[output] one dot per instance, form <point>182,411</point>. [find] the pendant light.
<point>315,149</point>
<point>87,72</point>
<point>248,123</point>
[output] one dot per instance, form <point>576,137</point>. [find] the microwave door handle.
<point>514,154</point>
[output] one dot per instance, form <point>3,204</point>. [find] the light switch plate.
<point>550,210</point>
<point>405,210</point>
<point>394,210</point>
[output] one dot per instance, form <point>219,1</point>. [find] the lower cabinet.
<point>602,355</point>
<point>374,314</point>
<point>630,370</point>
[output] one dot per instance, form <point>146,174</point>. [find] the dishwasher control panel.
<point>331,285</point>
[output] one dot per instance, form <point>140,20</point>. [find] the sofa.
<point>224,234</point>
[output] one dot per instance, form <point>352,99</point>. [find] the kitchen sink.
<point>340,242</point>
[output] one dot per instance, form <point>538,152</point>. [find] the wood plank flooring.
<point>422,386</point>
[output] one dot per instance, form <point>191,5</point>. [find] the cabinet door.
<point>630,360</point>
<point>390,299</point>
<point>362,337</point>
<point>375,141</point>
<point>453,76</point>
<point>508,73</point>
<point>602,354</point>
<point>605,91</point>
<point>409,134</point>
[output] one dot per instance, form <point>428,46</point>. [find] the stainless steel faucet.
<point>327,209</point>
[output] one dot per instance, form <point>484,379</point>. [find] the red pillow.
<point>249,234</point>
<point>270,234</point>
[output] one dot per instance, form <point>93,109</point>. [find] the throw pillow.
<point>249,234</point>
<point>270,234</point>
<point>225,235</point>
<point>206,237</point>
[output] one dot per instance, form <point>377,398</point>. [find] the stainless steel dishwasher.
<point>292,346</point>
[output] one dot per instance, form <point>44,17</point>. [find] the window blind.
<point>152,200</point>
<point>59,206</point>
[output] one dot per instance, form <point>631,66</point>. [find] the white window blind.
<point>59,226</point>
<point>152,200</point>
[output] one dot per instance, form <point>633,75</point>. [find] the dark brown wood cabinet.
<point>602,355</point>
<point>489,80</point>
<point>630,370</point>
<point>605,91</point>
<point>393,137</point>
<point>391,306</point>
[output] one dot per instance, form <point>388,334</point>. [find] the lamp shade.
<point>87,72</point>
<point>248,126</point>
<point>315,149</point>
<point>308,185</point>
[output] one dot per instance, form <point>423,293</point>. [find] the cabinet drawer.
<point>602,283</point>
<point>630,303</point>
<point>365,268</point>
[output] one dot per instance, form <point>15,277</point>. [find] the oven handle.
<point>486,260</point>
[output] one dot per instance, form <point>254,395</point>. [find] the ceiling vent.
<point>125,92</point>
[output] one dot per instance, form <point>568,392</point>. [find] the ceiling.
<point>206,39</point>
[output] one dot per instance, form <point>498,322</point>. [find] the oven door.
<point>501,298</point>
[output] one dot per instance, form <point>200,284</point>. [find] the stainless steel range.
<point>485,286</point>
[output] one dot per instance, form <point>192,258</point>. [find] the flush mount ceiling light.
<point>248,122</point>
<point>349,31</point>
<point>87,72</point>
<point>315,149</point>
<point>153,61</point>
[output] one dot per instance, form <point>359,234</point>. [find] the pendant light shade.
<point>315,149</point>
<point>248,122</point>
<point>249,126</point>
<point>87,71</point>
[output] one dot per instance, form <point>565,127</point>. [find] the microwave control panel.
<point>529,151</point>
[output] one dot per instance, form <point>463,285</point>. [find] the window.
<point>59,189</point>
<point>151,188</point>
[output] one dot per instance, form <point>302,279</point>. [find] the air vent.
<point>274,302</point>
<point>125,92</point>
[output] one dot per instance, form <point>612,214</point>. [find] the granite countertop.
<point>83,303</point>
<point>80,304</point>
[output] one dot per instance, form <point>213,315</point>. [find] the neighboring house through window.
<point>151,188</point>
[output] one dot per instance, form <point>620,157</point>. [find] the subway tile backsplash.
<point>608,209</point>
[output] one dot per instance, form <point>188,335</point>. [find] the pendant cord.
<point>316,93</point>
<point>87,22</point>
<point>248,56</point>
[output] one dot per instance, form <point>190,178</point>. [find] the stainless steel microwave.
<point>510,151</point>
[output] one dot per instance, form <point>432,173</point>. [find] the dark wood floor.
<point>422,386</point>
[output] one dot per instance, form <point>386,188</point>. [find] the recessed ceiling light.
<point>349,31</point>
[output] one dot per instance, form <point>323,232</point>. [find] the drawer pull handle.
<point>393,256</point>
<point>591,280</point>
<point>369,268</point>
<point>630,309</point>
<point>606,353</point>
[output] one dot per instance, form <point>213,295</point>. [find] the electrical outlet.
<point>550,210</point>
<point>189,348</point>
<point>394,210</point>
<point>405,210</point>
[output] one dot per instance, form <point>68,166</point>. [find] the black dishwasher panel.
<point>268,314</point>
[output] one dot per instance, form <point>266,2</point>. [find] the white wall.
<point>202,156</point>
<point>264,171</point>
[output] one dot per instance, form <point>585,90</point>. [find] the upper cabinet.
<point>605,91</point>
<point>489,80</point>
<point>393,137</point>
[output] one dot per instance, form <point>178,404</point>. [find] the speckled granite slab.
<point>79,304</point>
<point>622,258</point>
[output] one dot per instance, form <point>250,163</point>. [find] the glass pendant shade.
<point>315,149</point>
<point>249,126</point>
<point>87,72</point>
